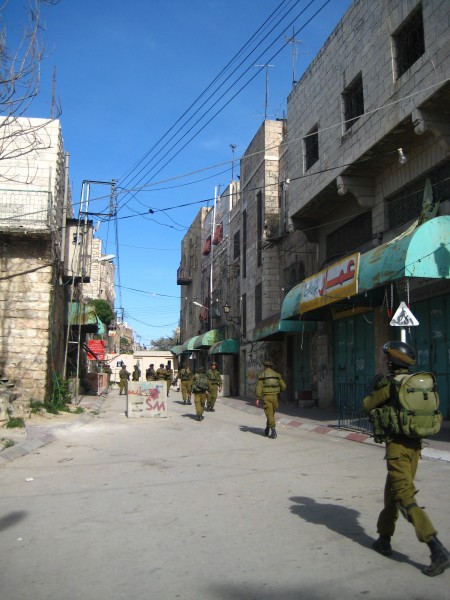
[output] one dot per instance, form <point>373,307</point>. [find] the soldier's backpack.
<point>414,408</point>
<point>201,383</point>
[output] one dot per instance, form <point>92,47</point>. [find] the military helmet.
<point>267,363</point>
<point>400,353</point>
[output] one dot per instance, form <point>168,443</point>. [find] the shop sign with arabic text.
<point>334,283</point>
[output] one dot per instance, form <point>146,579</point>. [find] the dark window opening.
<point>351,236</point>
<point>353,102</point>
<point>236,245</point>
<point>258,303</point>
<point>409,42</point>
<point>311,143</point>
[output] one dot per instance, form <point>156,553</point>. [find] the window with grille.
<point>353,98</point>
<point>351,236</point>
<point>406,204</point>
<point>409,42</point>
<point>311,147</point>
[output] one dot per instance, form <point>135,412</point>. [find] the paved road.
<point>121,508</point>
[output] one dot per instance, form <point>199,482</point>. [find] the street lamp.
<point>228,317</point>
<point>106,258</point>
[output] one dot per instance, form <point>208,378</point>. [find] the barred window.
<point>351,236</point>
<point>311,147</point>
<point>406,204</point>
<point>353,97</point>
<point>409,42</point>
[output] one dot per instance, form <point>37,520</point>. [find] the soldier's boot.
<point>383,545</point>
<point>273,434</point>
<point>440,558</point>
<point>199,417</point>
<point>184,402</point>
<point>267,431</point>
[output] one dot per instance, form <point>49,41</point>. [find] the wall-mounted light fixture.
<point>402,158</point>
<point>192,356</point>
<point>228,317</point>
<point>106,258</point>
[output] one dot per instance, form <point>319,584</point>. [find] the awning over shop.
<point>291,303</point>
<point>177,350</point>
<point>208,339</point>
<point>84,315</point>
<point>422,251</point>
<point>188,345</point>
<point>274,328</point>
<point>228,346</point>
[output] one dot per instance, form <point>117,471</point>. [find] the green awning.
<point>208,339</point>
<point>228,346</point>
<point>274,328</point>
<point>177,349</point>
<point>84,315</point>
<point>290,308</point>
<point>422,251</point>
<point>188,345</point>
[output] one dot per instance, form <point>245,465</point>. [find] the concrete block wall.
<point>362,42</point>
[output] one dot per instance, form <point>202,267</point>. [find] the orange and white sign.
<point>338,281</point>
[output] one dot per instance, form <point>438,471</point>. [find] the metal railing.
<point>25,209</point>
<point>351,414</point>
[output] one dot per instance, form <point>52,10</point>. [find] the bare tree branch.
<point>20,78</point>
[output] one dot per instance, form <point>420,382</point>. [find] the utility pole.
<point>267,87</point>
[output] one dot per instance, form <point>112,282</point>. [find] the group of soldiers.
<point>402,453</point>
<point>164,373</point>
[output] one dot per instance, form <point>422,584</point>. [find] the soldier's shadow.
<point>342,520</point>
<point>255,430</point>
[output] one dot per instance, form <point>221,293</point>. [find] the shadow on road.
<point>342,520</point>
<point>11,519</point>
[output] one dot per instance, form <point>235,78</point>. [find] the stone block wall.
<point>26,311</point>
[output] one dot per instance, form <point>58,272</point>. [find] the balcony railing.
<point>184,276</point>
<point>25,209</point>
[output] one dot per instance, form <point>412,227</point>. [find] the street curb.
<point>31,444</point>
<point>315,427</point>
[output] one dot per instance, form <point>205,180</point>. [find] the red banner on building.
<point>97,347</point>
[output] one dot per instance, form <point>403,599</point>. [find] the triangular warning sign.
<point>403,317</point>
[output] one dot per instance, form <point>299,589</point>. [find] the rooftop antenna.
<point>233,148</point>
<point>267,87</point>
<point>294,53</point>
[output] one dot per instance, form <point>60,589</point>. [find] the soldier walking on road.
<point>270,384</point>
<point>124,376</point>
<point>201,389</point>
<point>402,457</point>
<point>185,375</point>
<point>215,386</point>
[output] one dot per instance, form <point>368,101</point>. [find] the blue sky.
<point>126,72</point>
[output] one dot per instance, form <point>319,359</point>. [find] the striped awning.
<point>228,346</point>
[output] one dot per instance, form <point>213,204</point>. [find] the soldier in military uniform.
<point>161,375</point>
<point>201,389</point>
<point>215,385</point>
<point>124,376</point>
<point>270,384</point>
<point>402,457</point>
<point>169,378</point>
<point>136,373</point>
<point>150,374</point>
<point>185,375</point>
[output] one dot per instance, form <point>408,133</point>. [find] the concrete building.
<point>368,127</point>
